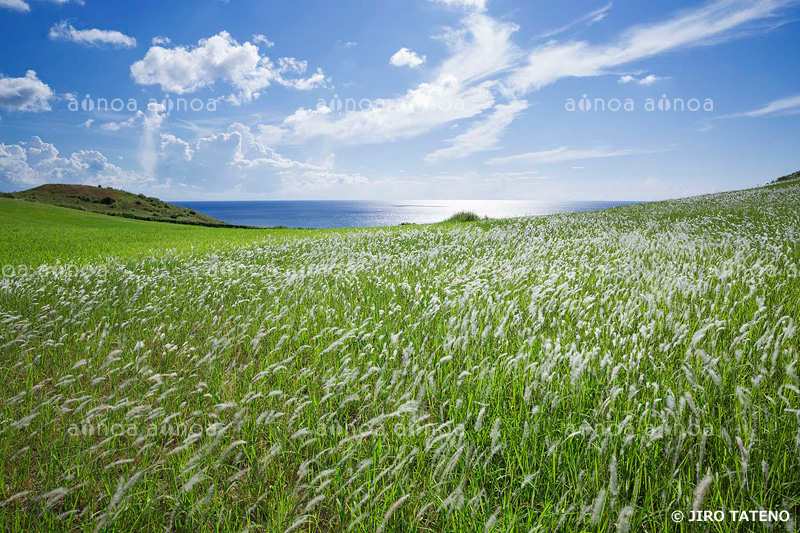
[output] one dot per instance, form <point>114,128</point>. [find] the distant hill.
<point>789,177</point>
<point>114,202</point>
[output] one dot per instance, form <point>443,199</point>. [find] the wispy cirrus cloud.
<point>785,106</point>
<point>484,65</point>
<point>464,86</point>
<point>711,23</point>
<point>482,136</point>
<point>418,111</point>
<point>562,153</point>
<point>588,19</point>
<point>480,48</point>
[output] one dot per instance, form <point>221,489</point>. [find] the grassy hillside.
<point>595,371</point>
<point>114,202</point>
<point>33,234</point>
<point>789,177</point>
<point>788,180</point>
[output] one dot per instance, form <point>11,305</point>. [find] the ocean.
<point>353,214</point>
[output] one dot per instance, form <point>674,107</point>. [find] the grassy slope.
<point>33,234</point>
<point>789,177</point>
<point>114,202</point>
<point>781,184</point>
<point>523,374</point>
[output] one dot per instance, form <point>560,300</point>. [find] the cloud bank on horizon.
<point>469,101</point>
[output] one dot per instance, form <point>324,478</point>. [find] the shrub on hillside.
<point>463,216</point>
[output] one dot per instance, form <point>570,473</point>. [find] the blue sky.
<point>421,99</point>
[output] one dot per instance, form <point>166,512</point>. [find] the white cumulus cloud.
<point>23,6</point>
<point>64,31</point>
<point>35,162</point>
<point>477,5</point>
<point>236,159</point>
<point>648,80</point>
<point>25,94</point>
<point>15,5</point>
<point>117,126</point>
<point>406,58</point>
<point>262,39</point>
<point>232,162</point>
<point>219,59</point>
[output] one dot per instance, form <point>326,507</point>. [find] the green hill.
<point>115,202</point>
<point>789,178</point>
<point>34,233</point>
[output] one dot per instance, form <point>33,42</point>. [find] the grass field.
<point>594,371</point>
<point>34,234</point>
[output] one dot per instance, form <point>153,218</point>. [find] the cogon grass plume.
<point>700,492</point>
<point>569,371</point>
